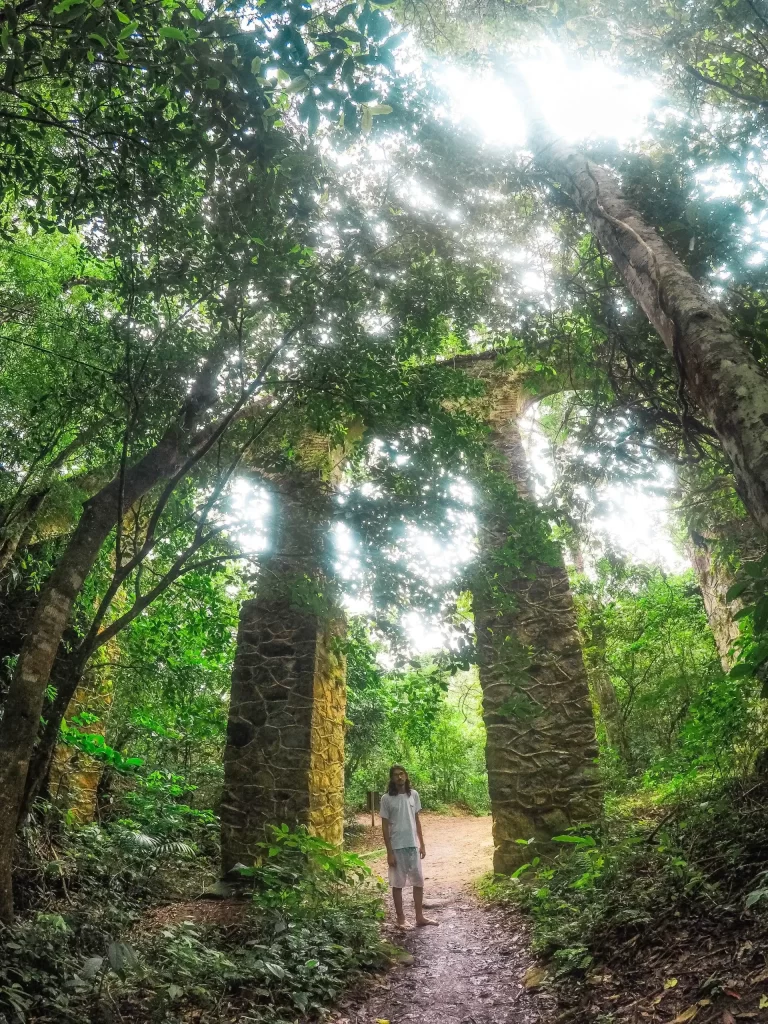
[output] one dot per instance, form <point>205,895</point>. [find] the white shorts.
<point>407,870</point>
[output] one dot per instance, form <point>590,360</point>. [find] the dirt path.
<point>470,969</point>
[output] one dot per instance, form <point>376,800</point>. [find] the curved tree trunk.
<point>541,750</point>
<point>611,717</point>
<point>67,676</point>
<point>24,703</point>
<point>720,373</point>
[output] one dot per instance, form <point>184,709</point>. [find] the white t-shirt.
<point>400,811</point>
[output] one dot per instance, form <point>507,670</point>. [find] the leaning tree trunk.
<point>67,675</point>
<point>720,373</point>
<point>24,703</point>
<point>541,750</point>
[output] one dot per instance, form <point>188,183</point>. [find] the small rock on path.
<point>470,969</point>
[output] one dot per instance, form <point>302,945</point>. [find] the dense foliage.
<point>309,927</point>
<point>249,268</point>
<point>422,717</point>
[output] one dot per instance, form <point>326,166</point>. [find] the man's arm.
<point>420,834</point>
<point>387,842</point>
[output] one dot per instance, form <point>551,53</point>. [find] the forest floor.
<point>471,969</point>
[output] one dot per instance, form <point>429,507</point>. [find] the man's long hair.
<point>393,785</point>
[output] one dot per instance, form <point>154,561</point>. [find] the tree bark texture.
<point>715,578</point>
<point>541,749</point>
<point>721,375</point>
<point>67,676</point>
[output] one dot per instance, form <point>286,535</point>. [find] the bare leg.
<point>418,902</point>
<point>397,898</point>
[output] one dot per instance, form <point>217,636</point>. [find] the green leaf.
<point>122,956</point>
<point>297,84</point>
<point>394,41</point>
<point>91,967</point>
<point>579,840</point>
<point>742,613</point>
<point>122,16</point>
<point>736,591</point>
<point>169,32</point>
<point>65,6</point>
<point>128,30</point>
<point>761,614</point>
<point>753,897</point>
<point>741,671</point>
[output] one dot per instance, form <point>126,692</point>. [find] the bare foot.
<point>422,922</point>
<point>402,925</point>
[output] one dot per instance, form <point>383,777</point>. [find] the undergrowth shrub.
<point>707,858</point>
<point>313,926</point>
<point>310,925</point>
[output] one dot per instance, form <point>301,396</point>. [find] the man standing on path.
<point>401,825</point>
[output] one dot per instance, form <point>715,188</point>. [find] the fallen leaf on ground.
<point>690,1013</point>
<point>728,1017</point>
<point>670,983</point>
<point>535,977</point>
<point>763,1002</point>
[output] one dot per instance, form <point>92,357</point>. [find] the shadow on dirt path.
<point>470,969</point>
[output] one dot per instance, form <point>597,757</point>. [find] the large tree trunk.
<point>715,578</point>
<point>24,703</point>
<point>541,750</point>
<point>721,375</point>
<point>67,676</point>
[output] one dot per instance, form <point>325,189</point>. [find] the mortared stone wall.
<point>284,760</point>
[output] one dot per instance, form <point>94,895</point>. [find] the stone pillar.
<point>284,760</point>
<point>541,749</point>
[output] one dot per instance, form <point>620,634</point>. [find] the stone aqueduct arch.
<point>284,760</point>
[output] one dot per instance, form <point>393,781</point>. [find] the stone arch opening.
<point>285,752</point>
